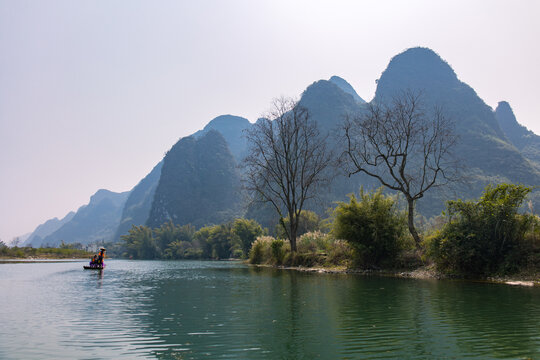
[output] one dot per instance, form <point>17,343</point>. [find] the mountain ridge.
<point>95,221</point>
<point>494,146</point>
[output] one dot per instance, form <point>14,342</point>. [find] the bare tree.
<point>404,147</point>
<point>286,161</point>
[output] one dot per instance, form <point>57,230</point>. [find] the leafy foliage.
<point>140,243</point>
<point>372,226</point>
<point>484,237</point>
<point>277,250</point>
<point>314,249</point>
<point>247,231</point>
<point>170,241</point>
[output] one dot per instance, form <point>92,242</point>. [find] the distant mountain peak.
<point>423,59</point>
<point>228,120</point>
<point>521,137</point>
<point>416,68</point>
<point>505,114</point>
<point>322,88</point>
<point>327,104</point>
<point>231,127</point>
<point>345,86</point>
<point>100,195</point>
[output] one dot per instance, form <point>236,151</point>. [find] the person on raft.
<point>97,260</point>
<point>100,257</point>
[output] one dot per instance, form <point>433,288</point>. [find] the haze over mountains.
<point>198,181</point>
<point>96,221</point>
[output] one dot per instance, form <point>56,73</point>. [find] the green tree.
<point>168,233</point>
<point>225,242</point>
<point>372,226</point>
<point>200,240</point>
<point>182,250</point>
<point>140,243</point>
<point>485,236</point>
<point>247,231</point>
<point>165,234</point>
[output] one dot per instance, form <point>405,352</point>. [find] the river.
<point>213,310</point>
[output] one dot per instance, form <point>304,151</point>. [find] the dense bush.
<point>486,236</point>
<point>261,251</point>
<point>277,250</point>
<point>373,226</point>
<point>314,249</point>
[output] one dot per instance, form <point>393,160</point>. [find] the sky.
<point>93,93</point>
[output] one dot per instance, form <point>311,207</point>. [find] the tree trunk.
<point>412,229</point>
<point>292,232</point>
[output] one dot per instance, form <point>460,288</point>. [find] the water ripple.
<point>194,310</point>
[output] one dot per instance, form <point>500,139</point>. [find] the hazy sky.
<point>93,93</point>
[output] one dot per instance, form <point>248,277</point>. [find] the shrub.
<point>372,226</point>
<point>314,242</point>
<point>277,250</point>
<point>486,236</point>
<point>260,250</point>
<point>530,248</point>
<point>340,253</point>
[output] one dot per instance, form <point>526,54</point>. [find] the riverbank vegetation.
<point>170,241</point>
<point>491,236</point>
<point>63,252</point>
<point>475,238</point>
<point>487,236</point>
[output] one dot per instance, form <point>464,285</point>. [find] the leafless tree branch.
<point>286,161</point>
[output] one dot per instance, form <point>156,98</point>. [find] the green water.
<point>213,310</point>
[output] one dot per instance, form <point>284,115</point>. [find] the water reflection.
<point>435,319</point>
<point>194,310</point>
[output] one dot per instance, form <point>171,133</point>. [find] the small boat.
<point>94,267</point>
<point>97,262</point>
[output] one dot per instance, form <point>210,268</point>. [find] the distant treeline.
<point>62,252</point>
<point>170,241</point>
